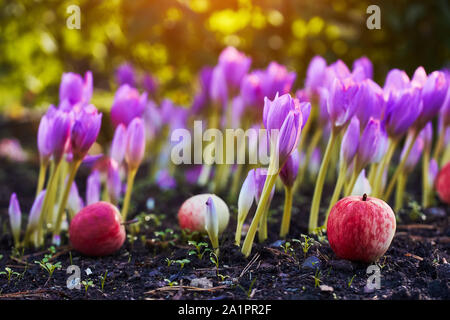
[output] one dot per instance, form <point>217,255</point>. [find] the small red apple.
<point>97,230</point>
<point>443,184</point>
<point>360,228</point>
<point>191,215</point>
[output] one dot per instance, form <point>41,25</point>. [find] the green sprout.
<point>169,262</point>
<point>47,265</point>
<point>164,235</point>
<point>287,248</point>
<point>182,262</point>
<point>317,279</point>
<point>87,284</point>
<point>214,258</point>
<point>171,283</point>
<point>103,280</point>
<point>351,281</point>
<point>198,248</point>
<point>9,273</point>
<point>306,244</point>
<point>248,292</point>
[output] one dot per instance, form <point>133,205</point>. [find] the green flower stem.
<point>126,201</point>
<point>426,190</point>
<point>399,192</point>
<point>45,205</point>
<point>240,222</point>
<point>372,173</point>
<point>400,167</point>
<point>286,221</point>
<point>265,196</point>
<point>41,180</point>
<point>262,231</point>
<point>314,214</point>
<point>65,196</point>
<point>439,144</point>
<point>337,190</point>
<point>382,166</point>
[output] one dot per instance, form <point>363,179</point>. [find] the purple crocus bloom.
<point>202,98</point>
<point>35,212</point>
<point>277,79</point>
<point>85,131</point>
<point>127,105</point>
<point>119,144</point>
<point>427,135</point>
<point>259,175</point>
<point>93,188</point>
<point>341,104</point>
<point>234,65</point>
<point>396,80</point>
<point>125,75</point>
<point>433,94</point>
<point>135,143</point>
<point>149,83</point>
<point>445,109</point>
<point>289,171</point>
<point>219,89</point>
<point>165,181</point>
<point>419,78</point>
<point>335,70</point>
<point>382,145</point>
<point>369,101</point>
<point>305,109</point>
<point>303,95</point>
<point>44,140</point>
<point>315,74</point>
<point>15,217</point>
<point>414,155</point>
<point>74,89</point>
<point>369,143</point>
<point>252,89</point>
<point>366,65</point>
<point>350,141</point>
<point>402,109</point>
<point>60,133</point>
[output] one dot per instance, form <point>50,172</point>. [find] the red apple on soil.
<point>191,215</point>
<point>360,228</point>
<point>97,230</point>
<point>443,184</point>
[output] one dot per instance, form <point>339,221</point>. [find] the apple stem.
<point>364,197</point>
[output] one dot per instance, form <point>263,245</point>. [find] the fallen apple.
<point>97,230</point>
<point>443,184</point>
<point>361,228</point>
<point>191,215</point>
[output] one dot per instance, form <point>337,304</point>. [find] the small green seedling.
<point>214,258</point>
<point>103,280</point>
<point>171,283</point>
<point>87,284</point>
<point>198,248</point>
<point>47,265</point>
<point>287,248</point>
<point>9,273</point>
<point>317,279</point>
<point>306,244</point>
<point>164,235</point>
<point>169,262</point>
<point>249,291</point>
<point>351,280</point>
<point>182,262</point>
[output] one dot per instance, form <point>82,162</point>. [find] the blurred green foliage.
<point>173,39</point>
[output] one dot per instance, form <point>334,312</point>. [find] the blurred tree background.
<point>173,39</point>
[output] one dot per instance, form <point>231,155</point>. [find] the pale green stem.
<point>399,192</point>
<point>426,190</point>
<point>41,180</point>
<point>439,144</point>
<point>337,190</point>
<point>314,214</point>
<point>400,168</point>
<point>126,201</point>
<point>286,221</point>
<point>265,196</point>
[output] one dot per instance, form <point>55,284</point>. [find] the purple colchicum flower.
<point>165,181</point>
<point>202,99</point>
<point>283,115</point>
<point>289,171</point>
<point>414,155</point>
<point>60,133</point>
<point>427,135</point>
<point>135,144</point>
<point>35,212</point>
<point>75,202</point>
<point>419,78</point>
<point>402,109</point>
<point>149,83</point>
<point>93,188</point>
<point>15,217</point>
<point>218,90</point>
<point>212,223</point>
<point>44,138</point>
<point>350,142</point>
<point>433,95</point>
<point>252,89</point>
<point>85,131</point>
<point>127,105</point>
<point>12,149</point>
<point>340,104</point>
<point>382,145</point>
<point>277,79</point>
<point>234,65</point>
<point>73,89</point>
<point>315,74</point>
<point>336,70</point>
<point>305,109</point>
<point>369,101</point>
<point>362,185</point>
<point>366,65</point>
<point>369,143</point>
<point>125,75</point>
<point>396,80</point>
<point>119,144</point>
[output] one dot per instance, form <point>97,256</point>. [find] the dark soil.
<point>415,267</point>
